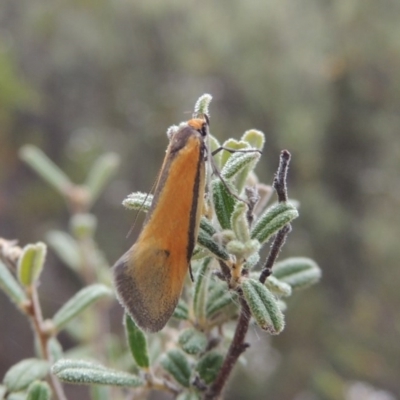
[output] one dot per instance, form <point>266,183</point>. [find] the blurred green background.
<point>321,78</point>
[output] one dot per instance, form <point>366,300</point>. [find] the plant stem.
<point>280,177</point>
<point>36,316</point>
<point>237,347</point>
<point>280,185</point>
<point>276,247</point>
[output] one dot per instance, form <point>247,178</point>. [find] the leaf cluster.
<point>192,357</point>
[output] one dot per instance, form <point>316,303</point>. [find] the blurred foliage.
<point>320,78</point>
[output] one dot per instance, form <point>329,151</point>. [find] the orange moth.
<point>149,277</point>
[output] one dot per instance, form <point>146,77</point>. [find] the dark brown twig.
<point>280,177</point>
<point>280,185</point>
<point>237,347</point>
<point>276,247</point>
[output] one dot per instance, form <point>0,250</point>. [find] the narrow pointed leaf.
<point>100,174</point>
<point>10,286</point>
<point>219,298</point>
<point>137,342</point>
<point>231,144</point>
<point>209,366</point>
<point>30,263</point>
<point>199,253</point>
<point>212,246</point>
<point>55,349</point>
<point>202,104</point>
<point>88,376</point>
<point>177,365</point>
<point>207,226</point>
<point>17,396</point>
<point>238,162</point>
<point>275,218</point>
<point>278,287</point>
<point>77,304</point>
<point>214,145</point>
<point>138,201</point>
<point>192,341</point>
<point>181,311</point>
<point>263,306</point>
<point>224,202</point>
<point>65,246</point>
<point>188,395</point>
<point>67,363</point>
<point>239,222</point>
<point>298,272</point>
<point>83,225</point>
<point>22,374</point>
<point>39,391</point>
<point>254,138</point>
<point>252,260</point>
<point>45,168</point>
<point>200,290</point>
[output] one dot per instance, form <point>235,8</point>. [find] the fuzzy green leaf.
<point>199,253</point>
<point>10,286</point>
<point>67,363</point>
<point>239,222</point>
<point>274,218</point>
<point>22,374</point>
<point>207,226</point>
<point>274,285</point>
<point>100,174</point>
<point>209,366</point>
<point>65,247</point>
<point>3,391</point>
<point>39,391</point>
<point>212,246</point>
<point>138,201</point>
<point>243,250</point>
<point>17,396</point>
<point>181,311</point>
<point>202,104</point>
<point>298,272</point>
<point>45,168</point>
<point>192,341</point>
<point>137,342</point>
<point>31,262</point>
<point>188,395</point>
<point>224,202</point>
<point>177,365</point>
<point>214,144</point>
<point>86,373</point>
<point>238,162</point>
<point>201,289</point>
<point>263,306</point>
<point>55,349</point>
<point>219,297</point>
<point>78,303</point>
<point>231,144</point>
<point>254,138</point>
<point>278,287</point>
<point>83,225</point>
<point>252,260</point>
